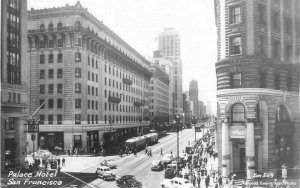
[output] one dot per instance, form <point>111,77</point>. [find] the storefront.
<point>51,140</point>
<point>92,140</point>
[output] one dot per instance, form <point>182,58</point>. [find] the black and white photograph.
<point>150,93</point>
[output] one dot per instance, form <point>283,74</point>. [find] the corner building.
<point>258,85</point>
<point>14,83</point>
<point>95,85</point>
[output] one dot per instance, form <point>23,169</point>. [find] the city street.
<point>139,166</point>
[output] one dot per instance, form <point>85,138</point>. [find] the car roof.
<point>128,176</point>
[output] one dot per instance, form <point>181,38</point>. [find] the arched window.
<point>238,113</point>
<point>50,27</point>
<point>59,26</point>
<point>282,114</point>
<point>42,27</point>
<point>77,25</point>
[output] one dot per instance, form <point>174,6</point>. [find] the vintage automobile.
<point>110,163</point>
<point>167,158</point>
<point>105,173</point>
<point>128,181</point>
<point>157,165</point>
<point>170,171</point>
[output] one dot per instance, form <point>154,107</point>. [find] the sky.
<point>138,22</point>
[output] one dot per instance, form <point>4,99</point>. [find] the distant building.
<point>95,84</point>
<point>187,108</point>
<point>169,45</point>
<point>193,96</point>
<point>167,65</point>
<point>202,108</point>
<point>159,95</point>
<point>14,82</point>
<point>258,85</point>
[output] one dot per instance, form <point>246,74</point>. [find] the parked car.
<point>157,165</point>
<point>170,171</point>
<point>128,181</point>
<point>105,173</point>
<point>167,158</point>
<point>110,163</point>
<point>176,183</point>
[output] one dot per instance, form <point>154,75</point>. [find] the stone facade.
<point>258,85</point>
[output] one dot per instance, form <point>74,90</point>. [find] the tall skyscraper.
<point>14,82</point>
<point>169,45</point>
<point>258,84</point>
<point>193,93</point>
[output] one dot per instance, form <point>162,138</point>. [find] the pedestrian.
<point>150,152</point>
<point>146,150</point>
<point>171,152</point>
<point>134,152</point>
<point>207,179</point>
<point>161,151</point>
<point>64,161</point>
<point>121,152</point>
<point>199,180</point>
<point>58,161</point>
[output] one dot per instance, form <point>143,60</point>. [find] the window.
<point>96,77</point>
<point>59,103</point>
<point>59,42</point>
<point>50,103</point>
<point>77,141</point>
<point>59,73</point>
<point>77,25</point>
<point>289,55</point>
<point>50,73</point>
<point>89,104</point>
<point>263,80</point>
<point>77,119</point>
<point>59,26</point>
<point>96,64</point>
<point>50,88</point>
<point>89,90</point>
<point>277,81</point>
<point>42,59</point>
<point>50,58</point>
<point>235,47</point>
<point>50,27</point>
<point>42,119</point>
<point>88,119</point>
<point>238,113</point>
<point>77,57</point>
<point>77,103</point>
<point>59,88</point>
<point>235,15</point>
<point>41,102</point>
<point>276,49</point>
<point>261,13</point>
<point>236,80</point>
<point>50,119</point>
<point>42,28</point>
<point>42,74</point>
<point>89,75</point>
<point>261,45</point>
<point>77,72</point>
<point>93,76</point>
<point>93,62</point>
<point>59,119</point>
<point>77,41</point>
<point>77,88</point>
<point>42,89</point>
<point>51,43</point>
<point>275,20</point>
<point>59,58</point>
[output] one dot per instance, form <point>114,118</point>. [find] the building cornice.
<point>255,91</point>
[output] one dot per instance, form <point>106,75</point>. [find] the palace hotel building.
<point>258,85</point>
<point>95,85</point>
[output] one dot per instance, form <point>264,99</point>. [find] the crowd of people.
<point>196,168</point>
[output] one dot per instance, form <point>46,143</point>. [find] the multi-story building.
<point>95,85</point>
<point>14,82</point>
<point>258,84</point>
<point>187,108</point>
<point>193,94</point>
<point>159,95</point>
<point>169,45</point>
<point>166,64</point>
<point>201,108</point>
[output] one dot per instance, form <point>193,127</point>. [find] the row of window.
<point>92,76</point>
<point>123,108</point>
<point>235,17</point>
<point>122,119</point>
<point>14,98</point>
<point>51,58</point>
<point>92,90</point>
<point>236,81</point>
<point>51,103</point>
<point>51,88</point>
<point>118,85</point>
<point>51,73</point>
<point>126,98</point>
<point>50,119</point>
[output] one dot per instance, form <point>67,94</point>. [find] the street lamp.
<point>177,121</point>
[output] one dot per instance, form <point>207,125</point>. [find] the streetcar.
<point>151,138</point>
<point>136,143</point>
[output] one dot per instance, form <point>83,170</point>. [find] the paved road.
<point>139,166</point>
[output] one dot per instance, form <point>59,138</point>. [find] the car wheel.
<point>104,178</point>
<point>162,186</point>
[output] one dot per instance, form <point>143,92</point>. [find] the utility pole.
<point>177,120</point>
